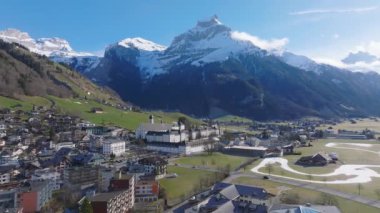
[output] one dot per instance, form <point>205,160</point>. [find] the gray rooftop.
<point>105,197</point>
<point>156,127</point>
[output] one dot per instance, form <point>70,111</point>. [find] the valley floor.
<point>357,170</point>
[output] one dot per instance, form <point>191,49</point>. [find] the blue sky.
<point>326,29</point>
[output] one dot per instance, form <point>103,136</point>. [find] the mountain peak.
<point>14,34</point>
<point>213,20</point>
<point>54,44</point>
<point>44,46</point>
<point>141,44</point>
<point>209,25</point>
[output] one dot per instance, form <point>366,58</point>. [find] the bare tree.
<point>209,147</point>
<point>269,167</point>
<point>360,187</point>
<point>310,177</point>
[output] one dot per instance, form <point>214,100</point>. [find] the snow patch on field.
<point>352,144</point>
<point>360,173</point>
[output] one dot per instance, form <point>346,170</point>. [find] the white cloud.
<point>372,47</point>
<point>273,45</point>
<point>332,11</point>
<point>330,61</point>
<point>365,67</point>
<point>357,67</point>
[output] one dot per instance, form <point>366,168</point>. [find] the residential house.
<point>3,130</point>
<point>105,177</point>
<point>116,147</point>
<point>77,176</point>
<point>8,196</point>
<point>97,110</point>
<point>6,174</point>
<point>34,195</point>
<point>318,159</point>
<point>146,191</point>
<point>60,160</point>
<point>288,149</point>
<point>111,202</point>
<point>85,124</point>
<point>48,174</point>
<point>125,183</point>
<point>227,197</point>
<point>154,166</point>
<point>59,146</point>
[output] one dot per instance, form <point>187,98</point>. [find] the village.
<point>51,161</point>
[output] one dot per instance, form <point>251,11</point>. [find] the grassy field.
<point>277,170</point>
<point>24,103</point>
<point>346,156</point>
<point>182,186</point>
<point>126,119</point>
<point>361,124</point>
<point>240,128</point>
<point>216,160</point>
<point>307,196</point>
<point>233,118</point>
<point>112,116</point>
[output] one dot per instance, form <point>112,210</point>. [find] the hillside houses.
<point>109,165</point>
<point>72,156</point>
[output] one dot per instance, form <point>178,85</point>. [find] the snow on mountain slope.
<point>81,64</point>
<point>301,62</point>
<point>209,41</point>
<point>141,44</point>
<point>16,36</point>
<point>43,46</point>
<point>59,50</point>
<point>141,52</point>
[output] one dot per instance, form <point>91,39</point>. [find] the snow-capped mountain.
<point>57,49</point>
<point>209,41</point>
<point>144,54</point>
<point>212,69</point>
<point>43,46</point>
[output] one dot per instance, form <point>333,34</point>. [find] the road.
<point>314,187</point>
